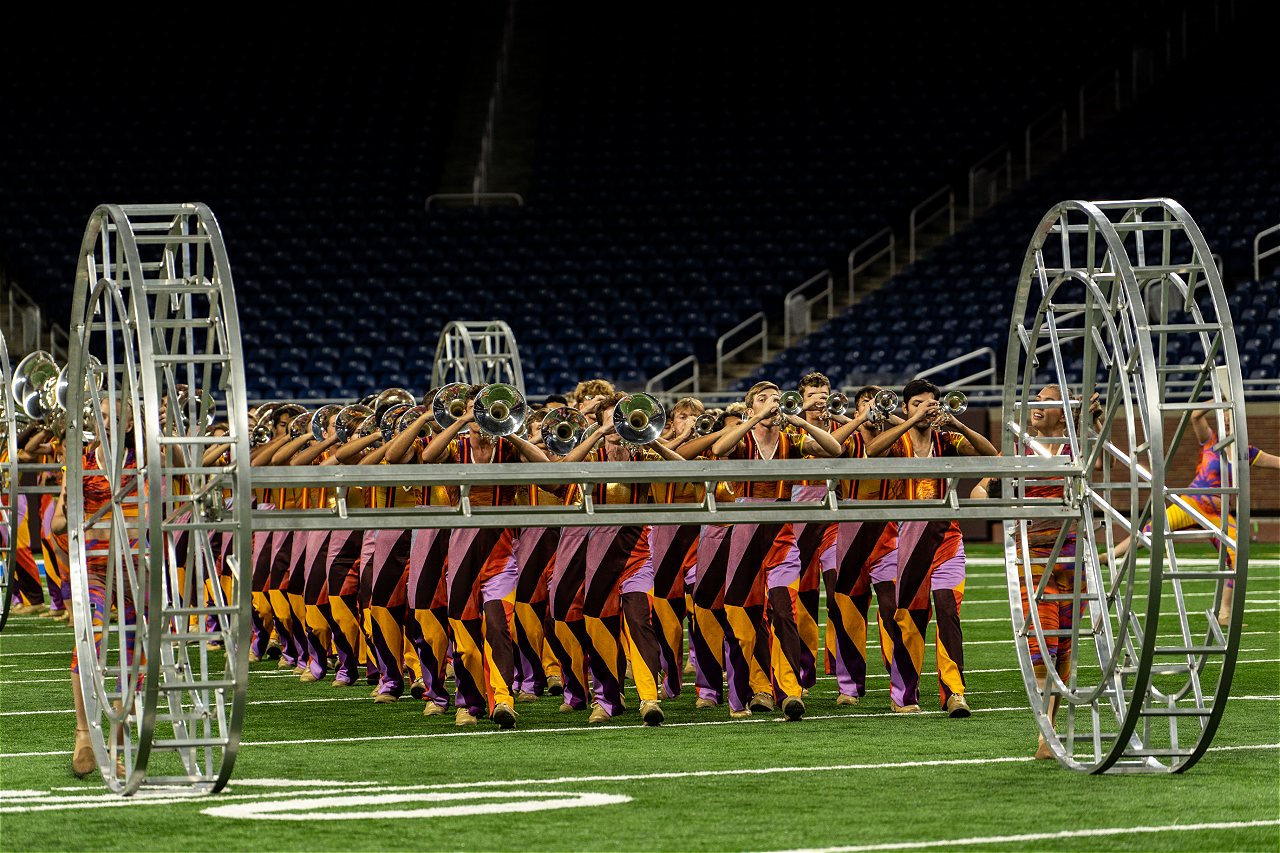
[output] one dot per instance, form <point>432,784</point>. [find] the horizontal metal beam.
<point>516,474</point>
<point>446,518</point>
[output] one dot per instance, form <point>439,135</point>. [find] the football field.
<point>326,769</point>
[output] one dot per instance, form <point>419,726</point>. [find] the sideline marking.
<point>1041,836</point>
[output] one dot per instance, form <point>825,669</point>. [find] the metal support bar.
<point>916,222</point>
<point>762,337</point>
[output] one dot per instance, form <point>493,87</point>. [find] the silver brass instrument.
<point>391,397</point>
<point>883,405</point>
<point>791,403</point>
<point>349,419</point>
<point>320,420</point>
<point>639,418</point>
<point>29,378</point>
<point>563,429</point>
<point>409,416</point>
<point>299,424</point>
<point>953,403</point>
<point>389,420</point>
<point>204,404</point>
<point>705,424</point>
<point>450,403</point>
<point>837,404</point>
<point>500,409</point>
<point>264,427</point>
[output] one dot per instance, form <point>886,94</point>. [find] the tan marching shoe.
<point>555,685</point>
<point>739,715</point>
<point>793,708</point>
<point>762,702</point>
<point>905,709</point>
<point>504,716</point>
<point>385,698</point>
<point>1043,752</point>
<point>957,708</point>
<point>432,710</point>
<point>703,704</point>
<point>651,712</point>
<point>308,677</point>
<point>847,699</point>
<point>566,708</point>
<point>526,696</point>
<point>464,717</point>
<point>599,715</point>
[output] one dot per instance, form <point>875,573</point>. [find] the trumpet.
<point>953,403</point>
<point>705,424</point>
<point>300,423</point>
<point>204,404</point>
<point>639,418</point>
<point>563,429</point>
<point>791,403</point>
<point>450,403</point>
<point>837,404</point>
<point>500,409</point>
<point>882,406</point>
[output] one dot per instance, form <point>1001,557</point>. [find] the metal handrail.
<point>1257,256</point>
<point>693,383</point>
<point>475,198</point>
<point>890,248</point>
<point>796,296</point>
<point>913,225</point>
<point>1110,88</point>
<point>1030,137</point>
<point>26,315</point>
<point>994,183</point>
<point>970,356</point>
<point>762,336</point>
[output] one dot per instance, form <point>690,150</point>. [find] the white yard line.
<point>37,801</point>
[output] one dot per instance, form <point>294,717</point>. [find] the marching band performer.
<point>930,553</point>
<point>865,561</point>
<point>481,575</point>
<point>762,563</point>
<point>618,581</point>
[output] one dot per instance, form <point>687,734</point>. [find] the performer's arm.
<point>312,452</point>
<point>729,439</point>
<point>880,445</point>
<point>1200,423</point>
<point>529,451</point>
<point>824,444</point>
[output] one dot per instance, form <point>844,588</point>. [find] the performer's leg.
<point>566,630</point>
<point>709,629</point>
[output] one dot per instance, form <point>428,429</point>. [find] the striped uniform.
<point>931,562</point>
<point>384,576</point>
<point>97,494</point>
<point>1058,615</point>
<point>427,598</point>
<point>535,562</point>
<point>762,572</point>
<point>616,589</point>
<point>1208,476</point>
<point>865,559</point>
<point>481,580</point>
<point>342,587</point>
<point>674,550</point>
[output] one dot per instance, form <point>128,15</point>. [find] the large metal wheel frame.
<point>478,353</point>
<point>1131,287</point>
<point>9,485</point>
<point>164,679</point>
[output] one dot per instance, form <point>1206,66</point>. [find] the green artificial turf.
<point>843,777</point>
